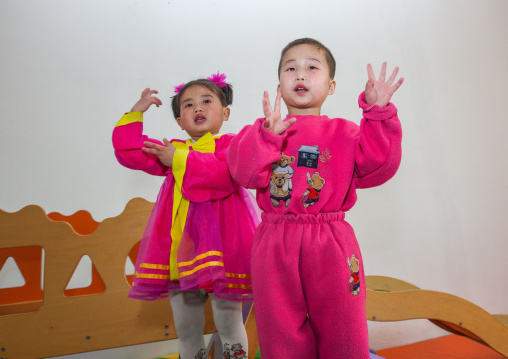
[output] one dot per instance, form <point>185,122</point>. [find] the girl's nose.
<point>300,76</point>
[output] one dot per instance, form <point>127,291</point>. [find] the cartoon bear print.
<point>280,180</point>
<point>354,280</point>
<point>238,352</point>
<point>311,195</point>
<point>226,351</point>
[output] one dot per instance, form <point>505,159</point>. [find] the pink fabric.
<point>222,217</point>
<point>360,157</point>
<point>302,246</point>
<point>299,267</point>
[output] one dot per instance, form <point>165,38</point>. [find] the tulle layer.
<point>214,252</point>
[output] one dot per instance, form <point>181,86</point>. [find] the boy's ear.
<point>227,112</point>
<point>180,123</point>
<point>278,87</point>
<point>331,90</point>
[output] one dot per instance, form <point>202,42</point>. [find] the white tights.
<point>189,318</point>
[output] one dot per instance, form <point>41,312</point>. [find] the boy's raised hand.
<point>273,121</point>
<point>380,92</point>
<point>146,101</point>
<point>165,153</point>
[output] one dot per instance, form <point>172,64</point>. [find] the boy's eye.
<point>290,69</point>
<point>312,67</point>
<point>207,101</point>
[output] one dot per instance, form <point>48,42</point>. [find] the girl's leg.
<point>189,318</point>
<point>228,319</point>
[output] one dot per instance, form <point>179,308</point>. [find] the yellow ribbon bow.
<point>205,144</point>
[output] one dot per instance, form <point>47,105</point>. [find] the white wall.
<point>70,69</point>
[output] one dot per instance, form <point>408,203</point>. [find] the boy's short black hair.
<point>225,94</point>
<point>308,41</point>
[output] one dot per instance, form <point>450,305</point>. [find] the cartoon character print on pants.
<point>280,181</point>
<point>235,352</point>
<point>354,280</point>
<point>311,194</point>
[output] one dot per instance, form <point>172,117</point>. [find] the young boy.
<point>307,270</point>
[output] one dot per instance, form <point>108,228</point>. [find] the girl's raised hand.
<point>273,121</point>
<point>165,153</point>
<point>378,92</point>
<point>146,101</point>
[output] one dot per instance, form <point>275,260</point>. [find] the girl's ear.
<point>180,123</point>
<point>227,112</point>
<point>331,90</point>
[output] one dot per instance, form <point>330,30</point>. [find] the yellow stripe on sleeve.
<point>130,117</point>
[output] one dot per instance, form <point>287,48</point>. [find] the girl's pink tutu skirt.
<point>214,252</point>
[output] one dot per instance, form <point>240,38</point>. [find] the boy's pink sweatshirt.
<point>328,158</point>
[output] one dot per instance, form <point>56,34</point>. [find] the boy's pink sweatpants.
<point>304,289</point>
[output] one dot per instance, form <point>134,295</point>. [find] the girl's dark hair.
<point>225,94</point>
<point>308,41</point>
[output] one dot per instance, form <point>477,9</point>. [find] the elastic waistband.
<point>303,218</point>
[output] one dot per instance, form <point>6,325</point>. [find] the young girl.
<point>198,238</point>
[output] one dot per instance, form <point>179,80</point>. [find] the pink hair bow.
<point>218,78</point>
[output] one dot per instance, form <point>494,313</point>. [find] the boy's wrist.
<point>270,138</point>
<point>374,111</point>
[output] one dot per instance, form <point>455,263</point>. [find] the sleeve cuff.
<point>130,117</point>
<point>272,140</point>
<point>374,112</point>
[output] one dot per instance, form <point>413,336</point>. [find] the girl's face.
<point>200,112</point>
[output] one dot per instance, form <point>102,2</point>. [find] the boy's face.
<point>305,81</point>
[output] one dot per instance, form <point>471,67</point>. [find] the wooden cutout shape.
<point>96,286</point>
<point>27,298</point>
<point>15,276</point>
<point>133,255</point>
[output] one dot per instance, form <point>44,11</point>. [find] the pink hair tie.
<point>219,79</point>
<point>179,88</point>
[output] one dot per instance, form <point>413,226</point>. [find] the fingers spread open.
<point>370,72</point>
<point>267,107</point>
<point>393,76</point>
<point>397,84</point>
<point>383,72</point>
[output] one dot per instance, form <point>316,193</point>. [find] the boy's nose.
<point>300,76</point>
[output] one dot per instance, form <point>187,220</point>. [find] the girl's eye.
<point>312,68</point>
<point>207,101</point>
<point>188,105</point>
<point>290,69</point>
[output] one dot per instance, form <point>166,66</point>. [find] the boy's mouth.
<point>300,89</point>
<point>199,119</point>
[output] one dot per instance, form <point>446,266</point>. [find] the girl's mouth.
<point>301,89</point>
<point>199,119</point>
